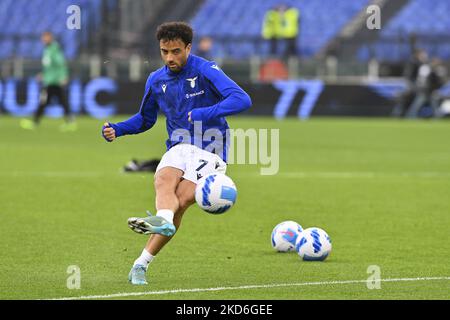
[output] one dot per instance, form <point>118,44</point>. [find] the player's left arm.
<point>235,100</point>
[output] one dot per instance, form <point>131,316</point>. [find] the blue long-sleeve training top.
<point>201,87</point>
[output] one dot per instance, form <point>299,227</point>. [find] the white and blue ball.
<point>284,236</point>
<point>314,244</point>
<point>215,193</point>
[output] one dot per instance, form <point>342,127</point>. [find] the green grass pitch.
<point>379,187</point>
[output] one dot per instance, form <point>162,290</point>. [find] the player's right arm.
<point>140,122</point>
<point>108,133</point>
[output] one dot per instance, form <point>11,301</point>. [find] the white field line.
<point>53,174</point>
<point>365,174</point>
<point>263,286</point>
<point>292,174</point>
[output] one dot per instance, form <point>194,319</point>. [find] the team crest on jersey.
<point>192,81</point>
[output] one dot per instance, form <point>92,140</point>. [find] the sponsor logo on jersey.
<point>191,95</point>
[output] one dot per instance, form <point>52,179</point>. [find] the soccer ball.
<point>314,244</point>
<point>284,236</point>
<point>215,193</point>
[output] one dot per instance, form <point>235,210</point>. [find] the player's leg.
<point>198,163</point>
<point>273,46</point>
<point>185,193</point>
<point>435,101</point>
<point>291,48</point>
<point>166,181</point>
<point>405,99</point>
<point>186,197</point>
<point>44,100</point>
<point>62,98</point>
<point>415,107</point>
<point>167,177</point>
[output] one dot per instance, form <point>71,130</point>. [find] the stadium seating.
<point>240,34</point>
<point>19,36</point>
<point>236,25</point>
<point>429,20</point>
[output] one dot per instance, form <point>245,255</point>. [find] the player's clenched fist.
<point>108,133</point>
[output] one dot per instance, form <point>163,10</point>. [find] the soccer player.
<point>188,90</point>
<point>54,78</point>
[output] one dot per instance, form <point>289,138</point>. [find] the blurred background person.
<point>410,73</point>
<point>282,24</point>
<point>290,26</point>
<point>430,78</point>
<point>54,78</point>
<point>272,29</point>
<point>441,77</point>
<point>205,48</point>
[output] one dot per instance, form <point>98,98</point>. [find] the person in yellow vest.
<point>281,23</point>
<point>290,18</point>
<point>272,29</point>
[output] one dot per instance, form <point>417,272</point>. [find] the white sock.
<point>166,214</point>
<point>144,259</point>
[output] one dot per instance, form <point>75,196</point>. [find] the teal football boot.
<point>137,275</point>
<point>152,224</point>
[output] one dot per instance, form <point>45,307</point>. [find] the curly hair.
<point>175,30</point>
